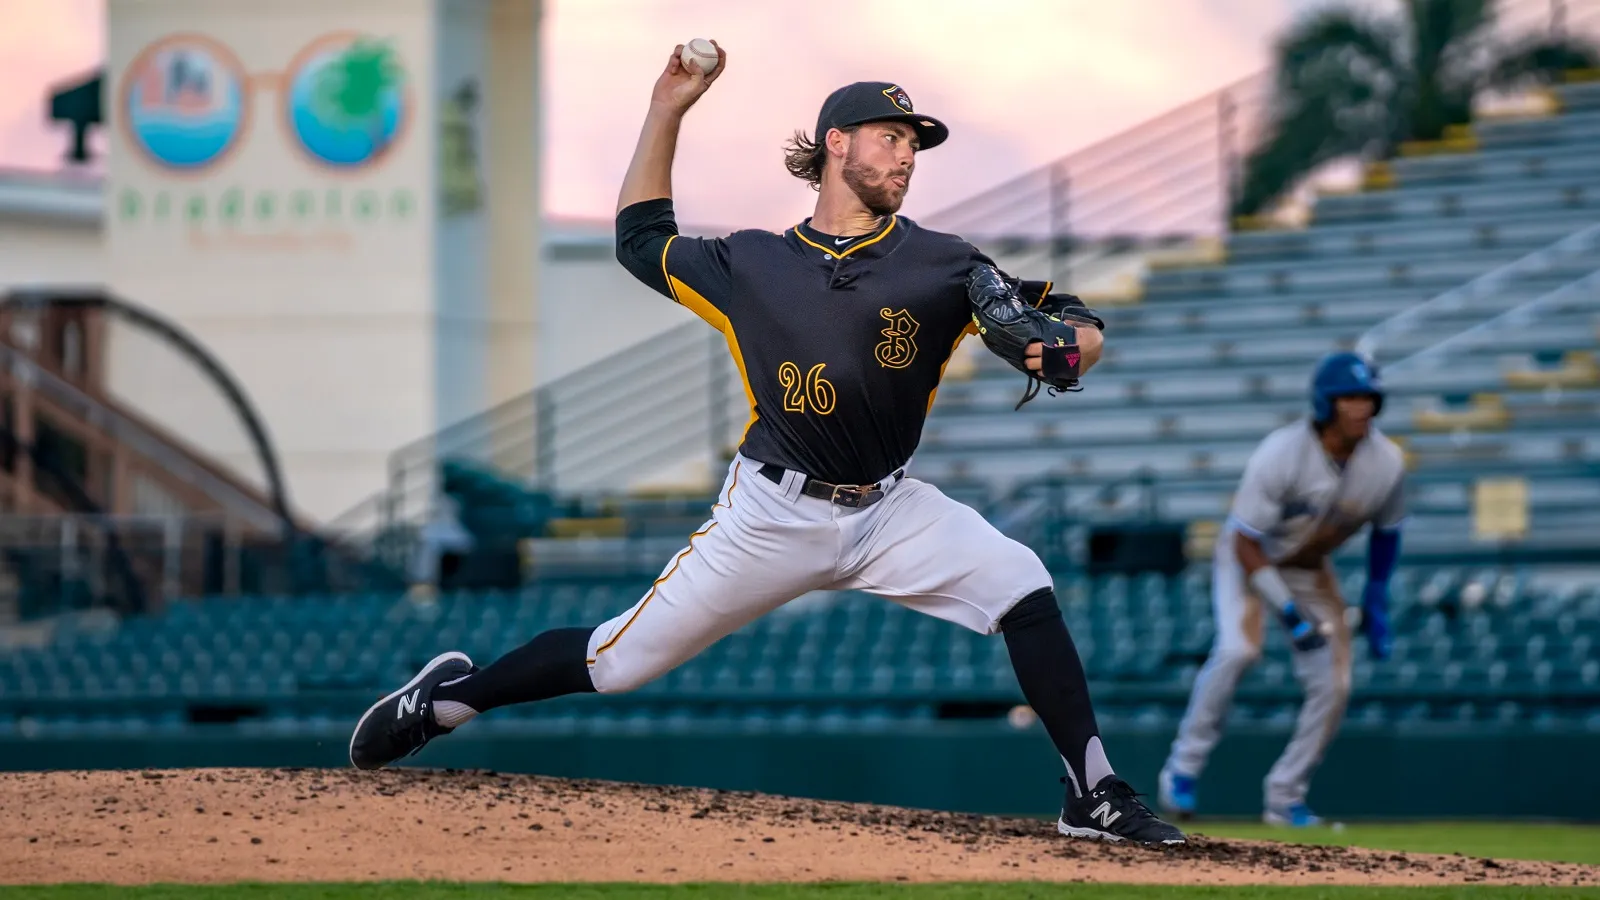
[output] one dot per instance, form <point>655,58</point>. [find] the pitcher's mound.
<point>211,825</point>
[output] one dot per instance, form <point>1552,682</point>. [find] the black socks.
<point>554,663</point>
<point>1052,679</point>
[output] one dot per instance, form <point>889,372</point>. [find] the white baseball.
<point>701,53</point>
<point>1021,716</point>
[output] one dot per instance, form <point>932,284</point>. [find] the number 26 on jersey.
<point>810,390</point>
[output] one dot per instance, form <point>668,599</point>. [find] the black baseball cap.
<point>877,101</point>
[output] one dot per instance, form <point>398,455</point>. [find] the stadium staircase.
<point>98,504</point>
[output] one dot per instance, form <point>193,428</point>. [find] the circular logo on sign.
<point>346,100</point>
<point>184,101</point>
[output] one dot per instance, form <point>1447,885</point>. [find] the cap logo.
<point>898,97</point>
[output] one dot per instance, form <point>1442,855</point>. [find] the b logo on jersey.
<point>898,97</point>
<point>898,348</point>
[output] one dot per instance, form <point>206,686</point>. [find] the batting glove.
<point>1375,620</point>
<point>1304,632</point>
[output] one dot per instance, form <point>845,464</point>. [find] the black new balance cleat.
<point>402,723</point>
<point>1113,812</point>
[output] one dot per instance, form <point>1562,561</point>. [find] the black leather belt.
<point>855,496</point>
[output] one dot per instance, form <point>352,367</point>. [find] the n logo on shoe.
<point>1104,814</point>
<point>408,703</point>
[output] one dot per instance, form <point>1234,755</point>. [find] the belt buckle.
<point>855,496</point>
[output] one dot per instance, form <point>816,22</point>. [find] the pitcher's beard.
<point>880,199</point>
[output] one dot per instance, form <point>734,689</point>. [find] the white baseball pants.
<point>1324,675</point>
<point>767,543</point>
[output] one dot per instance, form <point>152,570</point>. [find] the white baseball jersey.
<point>1291,488</point>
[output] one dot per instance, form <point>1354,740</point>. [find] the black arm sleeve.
<point>692,271</point>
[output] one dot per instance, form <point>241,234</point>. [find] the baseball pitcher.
<point>1306,490</point>
<point>840,328</point>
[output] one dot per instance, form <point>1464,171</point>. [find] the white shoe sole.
<point>434,663</point>
<point>1095,834</point>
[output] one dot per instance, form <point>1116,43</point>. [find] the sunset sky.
<point>1020,84</point>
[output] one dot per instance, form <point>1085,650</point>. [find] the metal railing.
<point>1585,290</point>
<point>1174,176</point>
<point>1171,175</point>
<point>133,563</point>
<point>77,548</point>
<point>137,438</point>
<point>670,398</point>
<point>1579,243</point>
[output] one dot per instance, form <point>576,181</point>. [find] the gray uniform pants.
<point>1323,674</point>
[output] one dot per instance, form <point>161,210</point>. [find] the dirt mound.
<point>212,825</point>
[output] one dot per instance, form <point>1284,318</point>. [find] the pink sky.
<point>1021,83</point>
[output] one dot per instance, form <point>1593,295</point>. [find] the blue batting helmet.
<point>1344,375</point>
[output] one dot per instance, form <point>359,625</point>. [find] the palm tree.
<point>1349,85</point>
<point>353,86</point>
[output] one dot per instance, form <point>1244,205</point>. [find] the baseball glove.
<point>1008,325</point>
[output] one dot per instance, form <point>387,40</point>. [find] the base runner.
<point>1307,489</point>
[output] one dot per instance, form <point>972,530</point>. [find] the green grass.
<point>437,891</point>
<point>1500,840</point>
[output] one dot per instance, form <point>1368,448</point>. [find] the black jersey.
<point>841,342</point>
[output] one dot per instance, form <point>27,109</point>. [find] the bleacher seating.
<point>1214,356</point>
<point>1485,645</point>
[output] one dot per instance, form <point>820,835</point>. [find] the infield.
<point>222,826</point>
<point>836,891</point>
